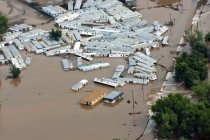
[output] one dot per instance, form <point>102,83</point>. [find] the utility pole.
<point>134,119</point>
<point>133,110</point>
<point>170,22</point>
<point>182,5</point>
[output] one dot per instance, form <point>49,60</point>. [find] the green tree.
<point>178,118</point>
<point>193,38</point>
<point>208,53</point>
<point>55,34</point>
<point>202,91</point>
<point>207,37</point>
<point>191,68</point>
<point>200,47</point>
<point>180,71</point>
<point>204,123</point>
<point>173,116</point>
<point>191,78</point>
<point>15,72</point>
<point>3,24</point>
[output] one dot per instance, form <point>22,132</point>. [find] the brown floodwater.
<point>166,2</point>
<point>40,105</point>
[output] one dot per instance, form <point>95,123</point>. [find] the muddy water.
<point>18,12</point>
<point>40,105</point>
<point>166,2</point>
<point>43,103</point>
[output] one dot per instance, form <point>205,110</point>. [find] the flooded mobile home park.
<point>41,103</point>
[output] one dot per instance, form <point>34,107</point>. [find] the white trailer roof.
<point>14,51</point>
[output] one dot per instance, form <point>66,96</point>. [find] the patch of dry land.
<point>40,105</point>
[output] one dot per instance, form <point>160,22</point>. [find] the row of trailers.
<point>11,54</point>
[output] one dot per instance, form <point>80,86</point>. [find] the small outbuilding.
<point>113,96</point>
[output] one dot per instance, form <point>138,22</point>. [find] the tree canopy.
<point>3,24</point>
<point>55,34</point>
<point>15,72</point>
<point>177,117</point>
<point>207,37</point>
<point>192,38</point>
<point>190,68</point>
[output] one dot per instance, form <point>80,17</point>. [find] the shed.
<point>113,96</point>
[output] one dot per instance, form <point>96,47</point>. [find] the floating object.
<point>80,84</point>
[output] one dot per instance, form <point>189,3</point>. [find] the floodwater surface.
<point>166,2</point>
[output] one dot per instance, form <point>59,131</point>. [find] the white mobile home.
<point>7,53</point>
<point>11,36</point>
<point>20,27</point>
<point>37,44</point>
<point>161,31</point>
<point>109,82</point>
<point>70,6</point>
<point>80,84</point>
<point>145,57</point>
<point>131,70</point>
<point>21,63</point>
<point>86,57</point>
<point>139,59</point>
<point>147,52</point>
<point>133,80</point>
<point>165,40</point>
<point>146,76</point>
<point>93,66</point>
<point>18,44</point>
<point>77,36</point>
<point>153,69</point>
<point>143,69</point>
<point>65,64</point>
<point>32,35</point>
<point>4,43</point>
<point>77,5</point>
<point>118,71</point>
<point>28,60</point>
<point>50,10</point>
<point>15,63</point>
<point>79,61</point>
<point>3,59</point>
<point>14,51</point>
<point>77,46</point>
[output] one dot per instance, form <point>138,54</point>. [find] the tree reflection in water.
<point>15,82</point>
